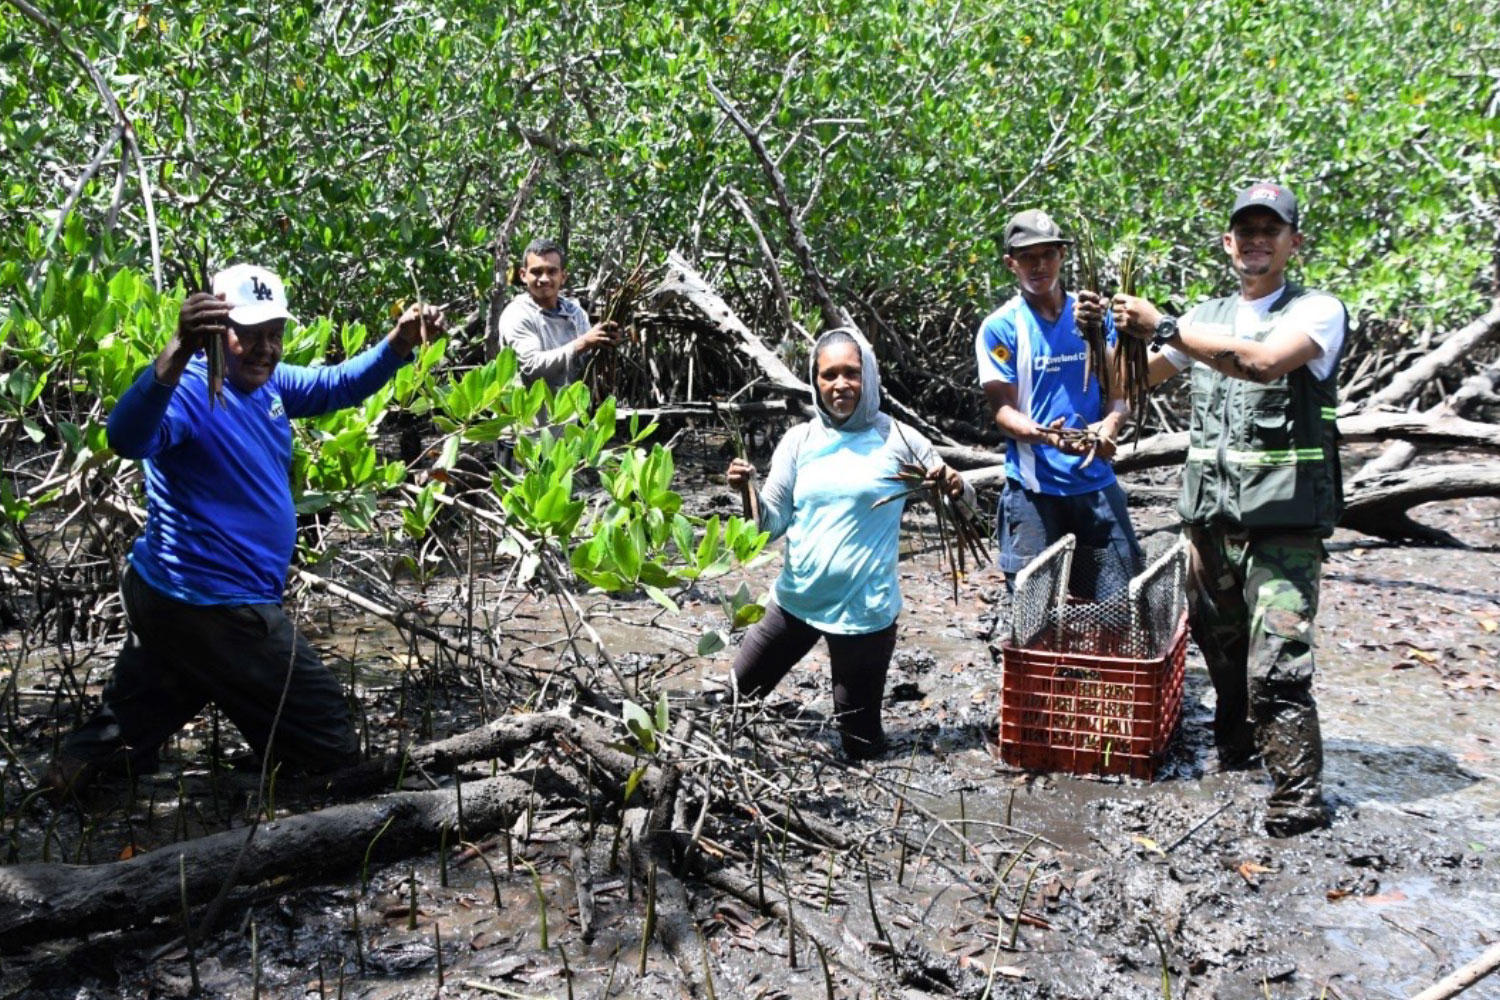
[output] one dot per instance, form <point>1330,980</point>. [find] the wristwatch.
<point>1166,329</point>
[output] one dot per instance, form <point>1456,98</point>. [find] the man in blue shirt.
<point>1031,360</point>
<point>203,587</point>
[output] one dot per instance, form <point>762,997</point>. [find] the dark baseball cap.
<point>1031,227</point>
<point>1269,196</point>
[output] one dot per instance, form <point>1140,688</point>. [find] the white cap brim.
<point>257,313</point>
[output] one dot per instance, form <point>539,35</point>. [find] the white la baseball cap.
<point>254,294</point>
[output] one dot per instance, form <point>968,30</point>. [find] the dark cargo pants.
<point>179,657</point>
<point>1252,601</point>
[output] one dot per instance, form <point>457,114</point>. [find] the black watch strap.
<point>1166,329</point>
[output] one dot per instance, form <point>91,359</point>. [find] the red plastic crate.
<point>1090,715</point>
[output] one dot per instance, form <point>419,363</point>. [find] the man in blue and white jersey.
<point>1032,361</point>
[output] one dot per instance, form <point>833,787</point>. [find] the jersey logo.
<point>277,410</point>
<point>1000,353</point>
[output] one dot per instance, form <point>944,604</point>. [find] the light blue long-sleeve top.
<point>839,568</point>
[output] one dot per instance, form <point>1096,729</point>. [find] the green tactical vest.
<point>1262,456</point>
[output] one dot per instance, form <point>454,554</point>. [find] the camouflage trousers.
<point>1252,600</point>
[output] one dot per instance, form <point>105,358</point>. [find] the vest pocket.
<point>1269,427</point>
<point>1275,495</point>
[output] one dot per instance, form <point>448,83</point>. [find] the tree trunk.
<point>42,901</point>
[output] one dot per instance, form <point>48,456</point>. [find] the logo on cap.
<point>1044,223</point>
<point>263,291</point>
<point>1264,192</point>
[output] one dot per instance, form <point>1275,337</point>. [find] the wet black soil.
<point>1113,887</point>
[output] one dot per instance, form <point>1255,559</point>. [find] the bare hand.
<point>202,316</point>
<point>419,324</point>
<point>1135,316</point>
<point>1088,310</point>
<point>740,475</point>
<point>947,480</point>
<point>606,334</point>
<point>1046,433</point>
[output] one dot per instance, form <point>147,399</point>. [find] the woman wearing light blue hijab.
<point>838,579</point>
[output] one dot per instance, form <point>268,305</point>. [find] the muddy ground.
<point>1124,881</point>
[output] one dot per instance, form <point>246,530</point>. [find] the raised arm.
<point>308,392</point>
<point>138,426</point>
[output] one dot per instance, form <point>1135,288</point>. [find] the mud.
<point>1125,882</point>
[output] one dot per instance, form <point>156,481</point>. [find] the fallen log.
<point>682,280</point>
<point>1379,505</point>
<point>1434,429</point>
<point>1476,390</point>
<point>42,901</point>
<point>685,282</point>
<point>709,409</point>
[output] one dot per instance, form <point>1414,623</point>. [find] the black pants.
<point>859,664</point>
<point>179,657</point>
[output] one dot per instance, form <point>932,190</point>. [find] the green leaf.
<point>747,614</point>
<point>638,721</point>
<point>711,642</point>
<point>633,781</point>
<point>660,597</point>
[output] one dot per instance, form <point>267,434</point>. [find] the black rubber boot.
<point>1291,744</point>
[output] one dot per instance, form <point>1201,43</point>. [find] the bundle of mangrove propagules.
<point>951,511</point>
<point>1132,361</point>
<point>602,371</point>
<point>1096,360</point>
<point>196,273</point>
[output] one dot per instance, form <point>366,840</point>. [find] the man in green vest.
<point>1261,491</point>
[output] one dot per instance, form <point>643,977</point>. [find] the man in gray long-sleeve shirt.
<point>549,332</point>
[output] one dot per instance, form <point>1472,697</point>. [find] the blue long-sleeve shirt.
<point>220,522</point>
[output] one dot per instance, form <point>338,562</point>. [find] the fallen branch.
<point>43,901</point>
<point>1433,429</point>
<point>1455,348</point>
<point>1461,979</point>
<point>684,281</point>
